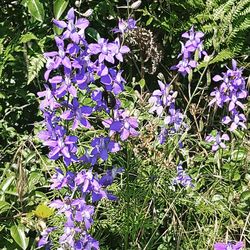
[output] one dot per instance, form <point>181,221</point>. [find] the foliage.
<point>150,212</point>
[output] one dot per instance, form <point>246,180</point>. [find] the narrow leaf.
<point>36,9</point>
<point>59,7</point>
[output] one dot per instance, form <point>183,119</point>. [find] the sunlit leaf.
<point>59,7</point>
<point>36,9</point>
<point>18,234</point>
<point>43,211</point>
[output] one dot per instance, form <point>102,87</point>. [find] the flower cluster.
<point>229,94</point>
<point>192,48</point>
<point>163,103</point>
<point>228,246</point>
<point>182,178</point>
<point>218,140</point>
<point>79,72</point>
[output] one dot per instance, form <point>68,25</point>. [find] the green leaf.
<point>245,195</point>
<point>17,233</point>
<point>59,7</point>
<point>28,37</point>
<point>142,83</point>
<point>236,176</point>
<point>149,21</point>
<point>36,9</point>
<point>217,197</point>
<point>239,155</point>
<point>6,183</point>
<point>4,206</point>
<point>93,34</point>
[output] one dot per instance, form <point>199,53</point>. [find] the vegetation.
<point>151,211</point>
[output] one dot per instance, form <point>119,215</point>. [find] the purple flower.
<point>125,26</point>
<point>49,100</point>
<point>110,175</point>
<point>62,145</point>
<point>65,86</point>
<point>184,66</point>
<point>236,120</point>
<point>194,39</point>
<point>89,183</point>
<point>163,135</point>
<point>228,246</point>
<point>161,98</point>
<point>82,212</point>
<point>73,73</point>
<point>101,147</point>
<point>113,81</point>
<point>60,180</point>
<point>87,242</point>
<point>229,94</point>
<point>79,114</point>
<point>44,240</point>
<point>175,118</point>
<point>182,178</point>
<point>218,140</point>
<point>59,57</point>
<point>71,27</point>
<point>123,124</point>
<point>105,50</point>
<point>188,50</point>
<point>120,50</point>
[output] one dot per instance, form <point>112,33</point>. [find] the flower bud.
<point>136,5</point>
<point>77,4</point>
<point>174,95</point>
<point>88,13</point>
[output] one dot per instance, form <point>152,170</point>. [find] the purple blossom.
<point>106,51</point>
<point>109,176</point>
<point>60,57</point>
<point>123,124</point>
<point>97,96</point>
<point>79,114</point>
<point>65,86</point>
<point>60,180</point>
<point>125,25</point>
<point>188,51</point>
<point>229,94</point>
<point>75,65</point>
<point>71,27</point>
<point>218,141</point>
<point>194,39</point>
<point>44,240</point>
<point>236,120</point>
<point>49,99</point>
<point>182,178</point>
<point>161,98</point>
<point>229,246</point>
<point>163,135</point>
<point>184,66</point>
<point>120,50</point>
<point>174,118</point>
<point>62,145</point>
<point>113,81</point>
<point>102,146</point>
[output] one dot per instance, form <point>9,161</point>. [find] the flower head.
<point>228,246</point>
